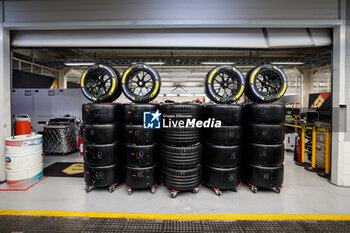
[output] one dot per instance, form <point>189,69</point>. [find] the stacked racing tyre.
<point>222,148</point>
<point>224,84</point>
<point>102,147</point>
<point>141,83</point>
<point>181,147</point>
<point>101,83</point>
<point>266,84</point>
<point>264,147</point>
<point>141,146</point>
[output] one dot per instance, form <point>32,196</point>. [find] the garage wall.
<point>17,11</point>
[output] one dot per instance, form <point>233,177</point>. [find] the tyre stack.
<point>181,147</point>
<point>222,148</point>
<point>264,148</point>
<point>102,148</point>
<point>140,149</point>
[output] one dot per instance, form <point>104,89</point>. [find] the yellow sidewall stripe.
<point>212,75</point>
<point>175,216</point>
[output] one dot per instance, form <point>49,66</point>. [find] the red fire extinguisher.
<point>81,145</point>
<point>299,149</point>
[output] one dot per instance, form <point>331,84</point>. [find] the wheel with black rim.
<point>224,84</point>
<point>266,83</point>
<point>141,83</point>
<point>100,83</point>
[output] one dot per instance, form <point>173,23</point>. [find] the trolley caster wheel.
<point>218,192</point>
<point>88,189</point>
<point>173,194</point>
<point>153,190</point>
<point>129,191</point>
<point>195,190</point>
<point>277,190</point>
<point>254,189</point>
<point>111,189</point>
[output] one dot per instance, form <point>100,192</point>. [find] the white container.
<point>24,159</point>
<point>20,162</point>
<point>24,144</point>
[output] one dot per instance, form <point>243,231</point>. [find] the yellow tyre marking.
<point>284,90</point>
<point>239,93</point>
<point>83,78</point>
<point>155,89</point>
<point>113,87</point>
<point>212,75</point>
<point>125,74</point>
<point>252,77</point>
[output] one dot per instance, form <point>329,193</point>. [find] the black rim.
<point>226,84</point>
<point>140,83</point>
<point>98,83</point>
<point>268,82</point>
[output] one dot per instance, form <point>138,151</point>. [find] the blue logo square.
<point>151,120</point>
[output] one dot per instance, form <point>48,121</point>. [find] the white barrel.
<point>24,159</point>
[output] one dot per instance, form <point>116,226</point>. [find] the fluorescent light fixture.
<point>188,95</point>
<point>245,67</point>
<point>155,63</point>
<point>287,63</point>
<point>216,63</point>
<point>200,95</point>
<point>79,64</point>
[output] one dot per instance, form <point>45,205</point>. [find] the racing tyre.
<point>181,136</point>
<point>142,177</point>
<point>264,113</point>
<point>227,114</point>
<point>182,179</point>
<point>141,83</point>
<point>224,135</point>
<point>182,156</point>
<point>136,134</point>
<point>266,83</point>
<point>221,178</point>
<point>102,176</point>
<point>101,134</point>
<point>133,113</point>
<point>222,156</point>
<point>264,154</point>
<point>100,83</point>
<point>140,155</point>
<point>265,134</point>
<point>101,113</point>
<point>102,154</point>
<point>264,177</point>
<point>224,84</point>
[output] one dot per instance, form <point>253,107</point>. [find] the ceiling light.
<point>79,64</point>
<point>155,63</point>
<point>216,63</point>
<point>287,63</point>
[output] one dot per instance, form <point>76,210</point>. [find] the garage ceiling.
<point>57,57</point>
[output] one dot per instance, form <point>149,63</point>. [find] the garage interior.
<point>43,73</point>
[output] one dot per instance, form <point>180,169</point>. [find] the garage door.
<point>176,38</point>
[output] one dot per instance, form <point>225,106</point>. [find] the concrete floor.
<point>303,193</point>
